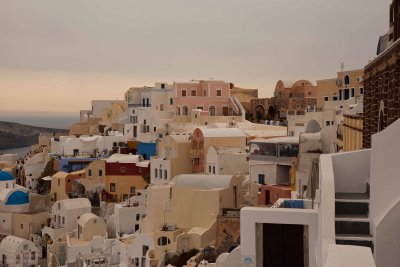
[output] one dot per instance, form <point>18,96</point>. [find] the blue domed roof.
<point>18,198</point>
<point>5,176</point>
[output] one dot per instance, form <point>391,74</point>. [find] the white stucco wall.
<point>250,216</point>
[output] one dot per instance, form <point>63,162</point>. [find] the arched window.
<point>185,111</point>
<point>346,79</point>
<point>178,111</point>
<point>147,102</point>
<point>163,241</point>
<point>211,110</point>
<point>144,102</point>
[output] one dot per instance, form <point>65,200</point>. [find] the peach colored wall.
<point>206,96</point>
<point>123,184</point>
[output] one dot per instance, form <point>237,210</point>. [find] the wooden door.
<point>283,245</point>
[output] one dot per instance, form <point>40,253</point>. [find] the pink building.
<point>211,96</point>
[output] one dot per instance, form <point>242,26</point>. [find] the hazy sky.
<point>55,56</point>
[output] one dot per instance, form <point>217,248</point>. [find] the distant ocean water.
<point>21,151</point>
<point>59,122</point>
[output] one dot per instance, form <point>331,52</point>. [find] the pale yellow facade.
<point>27,224</point>
<point>352,133</point>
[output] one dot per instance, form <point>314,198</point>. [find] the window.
<point>361,90</point>
<point>163,241</point>
<point>163,86</point>
<point>136,261</point>
<point>122,169</point>
<point>112,187</point>
<point>161,107</point>
<point>22,226</point>
<point>171,101</point>
<point>209,168</point>
<point>328,123</point>
<point>58,182</point>
<point>160,172</point>
<point>214,169</point>
<point>90,172</point>
<point>63,220</point>
<point>335,98</point>
<point>219,93</point>
<point>6,185</point>
<point>100,172</point>
<point>340,94</point>
<point>147,102</point>
<point>133,189</point>
<point>59,205</point>
<point>155,172</point>
<point>200,108</point>
<point>144,250</point>
<point>261,178</point>
<point>154,129</point>
<point>137,217</point>
<point>211,110</point>
<point>193,93</point>
<point>326,98</point>
<point>352,92</point>
<point>346,79</point>
<point>25,246</point>
<point>136,227</point>
<point>346,94</point>
<point>165,174</point>
<point>185,111</point>
<point>183,92</point>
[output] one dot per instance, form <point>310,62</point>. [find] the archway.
<point>313,127</point>
<point>178,111</point>
<point>211,110</point>
<point>260,111</point>
<point>271,113</point>
<point>185,111</point>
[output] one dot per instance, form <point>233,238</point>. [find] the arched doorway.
<point>178,111</point>
<point>260,112</point>
<point>185,111</point>
<point>211,110</point>
<point>271,113</point>
<point>313,127</point>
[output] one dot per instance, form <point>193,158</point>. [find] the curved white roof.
<point>222,132</point>
<point>203,181</point>
<point>11,243</point>
<point>86,217</point>
<point>75,203</point>
<point>123,158</point>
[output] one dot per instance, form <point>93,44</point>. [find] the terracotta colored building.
<point>212,96</point>
<point>288,96</point>
<point>124,175</point>
<point>203,138</point>
<point>269,194</point>
<point>382,96</point>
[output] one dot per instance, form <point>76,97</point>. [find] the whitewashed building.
<point>86,145</point>
<point>150,110</point>
<point>65,215</point>
<point>16,251</point>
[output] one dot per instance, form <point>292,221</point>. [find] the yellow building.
<point>352,132</point>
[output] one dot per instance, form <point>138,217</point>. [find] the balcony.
<point>195,153</point>
<point>131,105</point>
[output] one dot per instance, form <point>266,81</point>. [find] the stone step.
<point>351,208</point>
<point>352,227</point>
<point>355,240</point>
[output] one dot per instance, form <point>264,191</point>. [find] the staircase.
<point>352,225</point>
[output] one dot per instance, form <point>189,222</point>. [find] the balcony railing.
<point>138,105</point>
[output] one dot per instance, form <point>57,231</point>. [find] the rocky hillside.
<point>14,135</point>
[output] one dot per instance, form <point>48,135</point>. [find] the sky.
<point>56,56</point>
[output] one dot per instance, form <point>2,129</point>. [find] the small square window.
<point>219,92</point>
<point>193,93</point>
<point>326,98</point>
<point>183,92</point>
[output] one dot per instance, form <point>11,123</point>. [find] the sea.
<point>53,121</point>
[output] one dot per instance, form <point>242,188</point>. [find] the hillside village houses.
<point>176,168</point>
